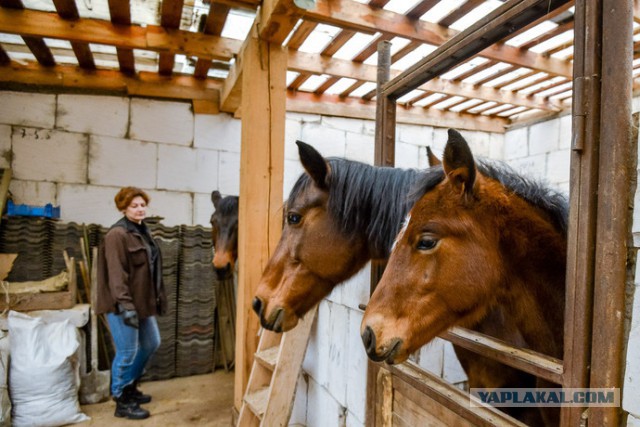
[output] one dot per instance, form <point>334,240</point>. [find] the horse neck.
<point>536,254</point>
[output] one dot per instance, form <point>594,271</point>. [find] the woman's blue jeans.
<point>134,348</point>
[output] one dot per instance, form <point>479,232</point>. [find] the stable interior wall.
<point>76,151</point>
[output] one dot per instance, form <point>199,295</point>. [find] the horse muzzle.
<point>279,320</point>
<point>386,353</point>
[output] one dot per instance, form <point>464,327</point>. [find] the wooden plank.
<point>5,180</point>
<point>333,105</point>
<point>67,9</point>
<point>14,4</point>
<point>351,15</point>
<point>413,408</point>
<point>277,19</point>
<point>257,401</point>
<point>317,64</point>
<point>548,35</point>
<point>120,12</point>
<point>301,33</point>
<point>371,48</point>
<point>475,39</point>
<point>83,55</point>
<point>170,17</point>
<point>337,42</point>
<point>40,50</point>
<point>4,57</point>
<point>287,371</point>
<point>459,12</point>
<point>268,358</point>
<point>214,25</point>
<point>421,8</point>
<point>205,106</point>
<point>385,408</point>
<point>262,169</point>
<point>154,38</point>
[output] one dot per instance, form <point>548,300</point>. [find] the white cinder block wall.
<point>76,151</point>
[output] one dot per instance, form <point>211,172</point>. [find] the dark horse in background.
<point>224,234</point>
<point>341,214</point>
<point>477,238</point>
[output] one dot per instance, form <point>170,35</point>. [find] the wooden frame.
<point>596,274</point>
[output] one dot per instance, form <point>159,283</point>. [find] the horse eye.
<point>293,218</point>
<point>426,243</point>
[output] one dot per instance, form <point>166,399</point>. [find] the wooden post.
<point>261,177</point>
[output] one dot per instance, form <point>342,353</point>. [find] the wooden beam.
<point>170,18</point>
<point>317,64</point>
<point>262,171</point>
<point>333,105</point>
<point>214,25</point>
<point>40,50</point>
<point>154,38</point>
<point>461,11</point>
<point>143,83</point>
<point>277,19</point>
<point>351,15</point>
<point>301,34</point>
<point>120,12</point>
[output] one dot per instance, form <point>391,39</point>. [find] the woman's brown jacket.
<point>126,275</point>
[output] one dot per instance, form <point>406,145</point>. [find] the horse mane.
<point>228,206</point>
<point>535,192</point>
<point>369,200</point>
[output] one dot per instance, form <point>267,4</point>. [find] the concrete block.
<point>335,296</point>
<point>161,121</point>
<point>343,123</point>
<point>360,147</point>
<point>292,171</point>
<point>299,411</point>
<point>544,137</point>
<point>353,421</point>
<point>337,356</point>
<point>479,142</point>
<point>440,138</point>
<point>322,409</point>
<point>565,132</point>
<point>355,291</point>
<point>329,142</point>
<point>48,155</point>
<point>310,363</point>
<point>496,146</point>
<point>217,132</point>
<point>635,104</point>
<point>636,213</point>
<point>633,421</point>
<point>452,371</point>
<point>532,166</point>
<point>356,368</point>
<point>96,115</point>
<point>187,169</point>
<point>229,173</point>
<point>33,192</point>
<point>305,117</point>
<point>431,356</point>
<point>88,204</point>
<point>562,187</point>
<point>559,166</point>
<point>415,134</point>
<point>202,209</point>
<point>631,386</point>
<point>5,146</point>
<point>28,109</point>
<point>292,133</point>
<point>516,144</point>
<point>175,207</point>
<point>122,162</point>
<point>408,155</point>
<point>369,127</point>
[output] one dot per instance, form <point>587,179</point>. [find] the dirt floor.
<point>200,400</point>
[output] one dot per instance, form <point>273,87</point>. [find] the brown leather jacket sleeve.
<point>118,267</point>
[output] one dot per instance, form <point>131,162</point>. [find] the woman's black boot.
<point>139,396</point>
<point>126,407</point>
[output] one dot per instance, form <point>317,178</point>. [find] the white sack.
<point>44,377</point>
<point>5,403</point>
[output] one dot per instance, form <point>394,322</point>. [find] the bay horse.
<point>478,238</point>
<point>224,234</point>
<point>341,214</point>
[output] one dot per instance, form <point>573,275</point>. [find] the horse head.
<point>469,244</point>
<point>224,233</point>
<point>313,254</point>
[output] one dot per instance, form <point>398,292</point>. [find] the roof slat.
<point>351,88</point>
<point>213,25</point>
<point>421,8</point>
<point>474,70</point>
<point>459,12</point>
<point>496,75</point>
<point>514,79</point>
<point>548,35</point>
<point>121,15</point>
<point>337,42</point>
<point>301,34</point>
<point>67,9</point>
<point>405,51</point>
<point>4,57</point>
<point>326,85</point>
<point>13,4</point>
<point>371,48</point>
<point>299,81</point>
<point>169,18</point>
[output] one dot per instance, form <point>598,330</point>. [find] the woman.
<point>131,293</point>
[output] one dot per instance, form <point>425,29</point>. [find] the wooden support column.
<point>261,178</point>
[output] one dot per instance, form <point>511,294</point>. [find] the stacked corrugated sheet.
<point>163,363</point>
<point>30,238</point>
<point>196,303</point>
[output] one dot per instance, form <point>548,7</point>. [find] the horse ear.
<point>215,198</point>
<point>458,162</point>
<point>313,162</point>
<point>433,160</point>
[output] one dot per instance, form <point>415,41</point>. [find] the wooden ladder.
<point>271,388</point>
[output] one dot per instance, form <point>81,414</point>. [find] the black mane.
<point>552,202</point>
<point>368,200</point>
<point>228,206</point>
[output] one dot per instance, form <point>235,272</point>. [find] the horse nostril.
<point>257,306</point>
<point>369,339</point>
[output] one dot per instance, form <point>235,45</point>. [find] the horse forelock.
<point>228,206</point>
